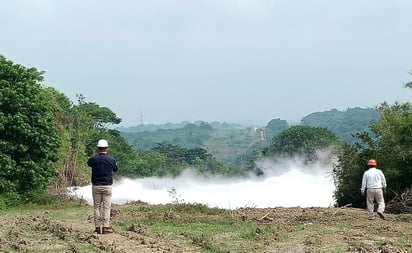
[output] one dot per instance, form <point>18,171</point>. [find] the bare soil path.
<point>46,231</point>
<point>296,229</point>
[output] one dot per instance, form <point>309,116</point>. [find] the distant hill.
<point>169,126</point>
<point>343,123</point>
<point>233,143</point>
<point>226,145</point>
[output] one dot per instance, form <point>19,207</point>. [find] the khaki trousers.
<point>371,196</point>
<point>102,202</point>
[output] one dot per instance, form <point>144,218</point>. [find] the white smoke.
<point>287,183</point>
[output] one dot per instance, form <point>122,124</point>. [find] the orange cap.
<point>372,162</point>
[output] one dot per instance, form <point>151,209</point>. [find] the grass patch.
<point>345,226</point>
<point>403,240</point>
<point>210,229</point>
<point>67,227</point>
<point>213,236</point>
<point>54,208</point>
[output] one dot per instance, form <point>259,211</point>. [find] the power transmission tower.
<point>141,118</point>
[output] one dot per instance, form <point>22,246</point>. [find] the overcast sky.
<point>159,61</point>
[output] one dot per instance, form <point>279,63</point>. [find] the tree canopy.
<point>300,140</point>
<point>29,141</point>
<point>390,146</point>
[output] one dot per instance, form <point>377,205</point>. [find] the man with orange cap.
<point>374,183</point>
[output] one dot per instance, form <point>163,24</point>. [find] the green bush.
<point>2,204</point>
<point>40,197</point>
<point>28,140</point>
<point>8,200</point>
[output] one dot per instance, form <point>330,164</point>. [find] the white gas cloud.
<point>284,184</point>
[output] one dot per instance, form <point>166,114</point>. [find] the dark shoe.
<point>107,230</point>
<point>381,215</point>
<point>97,230</point>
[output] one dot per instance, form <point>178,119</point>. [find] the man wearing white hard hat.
<point>103,167</point>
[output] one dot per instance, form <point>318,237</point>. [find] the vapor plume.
<point>286,183</point>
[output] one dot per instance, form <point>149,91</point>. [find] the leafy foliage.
<point>348,175</point>
<point>180,158</point>
<point>391,147</point>
<point>190,136</point>
<point>29,141</point>
<point>302,141</point>
<point>101,116</point>
<point>145,164</point>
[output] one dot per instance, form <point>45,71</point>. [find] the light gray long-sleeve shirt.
<point>373,178</point>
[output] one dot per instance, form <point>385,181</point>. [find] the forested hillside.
<point>234,146</point>
<point>226,145</point>
<point>343,123</point>
<point>168,126</point>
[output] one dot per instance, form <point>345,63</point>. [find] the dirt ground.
<point>297,230</point>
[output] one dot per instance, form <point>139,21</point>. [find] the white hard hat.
<point>102,144</point>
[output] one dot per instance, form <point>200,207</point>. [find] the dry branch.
<point>347,205</point>
<point>265,217</point>
<point>401,203</point>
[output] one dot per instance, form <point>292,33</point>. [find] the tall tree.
<point>101,115</point>
<point>302,141</point>
<point>28,140</point>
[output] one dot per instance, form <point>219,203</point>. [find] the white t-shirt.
<point>373,178</point>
